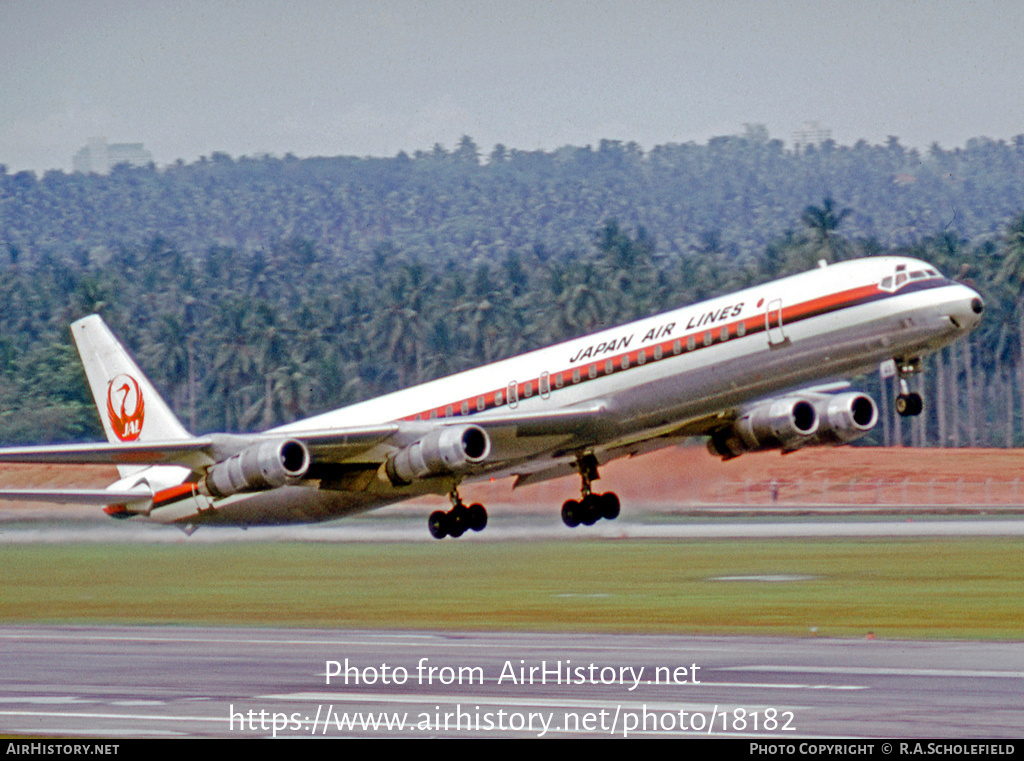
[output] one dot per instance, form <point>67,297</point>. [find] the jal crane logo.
<point>125,407</point>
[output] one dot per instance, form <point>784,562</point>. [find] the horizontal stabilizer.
<point>193,453</point>
<point>77,496</point>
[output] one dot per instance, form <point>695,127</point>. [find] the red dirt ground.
<point>690,476</point>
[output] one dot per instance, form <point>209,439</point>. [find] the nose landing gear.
<point>908,403</point>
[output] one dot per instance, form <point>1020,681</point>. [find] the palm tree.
<point>822,222</point>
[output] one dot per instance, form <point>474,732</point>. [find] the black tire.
<point>909,405</point>
<point>438,524</point>
<point>571,513</point>
<point>477,517</point>
<point>591,510</point>
<point>609,506</point>
<point>458,522</point>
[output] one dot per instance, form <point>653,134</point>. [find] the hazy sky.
<point>375,78</point>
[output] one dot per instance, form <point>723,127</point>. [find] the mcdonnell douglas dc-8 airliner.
<point>755,370</point>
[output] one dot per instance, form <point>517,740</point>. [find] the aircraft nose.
<point>965,311</point>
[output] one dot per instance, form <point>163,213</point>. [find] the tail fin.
<point>129,406</point>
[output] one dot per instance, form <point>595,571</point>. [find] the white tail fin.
<point>129,406</point>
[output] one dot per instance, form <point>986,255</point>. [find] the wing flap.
<point>331,446</point>
<point>578,420</point>
<point>338,444</point>
<point>196,453</point>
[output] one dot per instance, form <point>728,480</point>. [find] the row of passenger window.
<point>544,382</point>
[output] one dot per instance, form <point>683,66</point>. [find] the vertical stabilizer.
<point>129,406</point>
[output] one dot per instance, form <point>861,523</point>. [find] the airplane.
<point>753,370</point>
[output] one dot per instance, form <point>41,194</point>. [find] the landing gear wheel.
<point>908,405</point>
<point>608,505</point>
<point>591,507</point>
<point>458,520</point>
<point>476,517</point>
<point>571,513</point>
<point>438,524</point>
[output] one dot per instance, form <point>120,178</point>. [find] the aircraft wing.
<point>513,437</point>
<point>195,453</point>
<point>513,433</point>
<point>568,421</point>
<point>338,445</point>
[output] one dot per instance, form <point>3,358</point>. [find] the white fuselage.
<point>652,377</point>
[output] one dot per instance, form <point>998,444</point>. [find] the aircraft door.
<point>773,324</point>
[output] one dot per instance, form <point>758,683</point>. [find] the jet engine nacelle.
<point>845,418</point>
<point>774,424</point>
<point>262,466</point>
<point>791,423</point>
<point>450,449</point>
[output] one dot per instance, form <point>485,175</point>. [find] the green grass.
<point>953,589</point>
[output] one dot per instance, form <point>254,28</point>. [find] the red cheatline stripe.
<point>755,324</point>
<point>173,493</point>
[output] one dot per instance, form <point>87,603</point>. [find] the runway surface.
<point>220,682</point>
<point>396,526</point>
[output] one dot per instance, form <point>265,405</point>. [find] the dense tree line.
<point>256,291</point>
<point>734,193</point>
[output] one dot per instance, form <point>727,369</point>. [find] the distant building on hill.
<point>811,134</point>
<point>99,158</point>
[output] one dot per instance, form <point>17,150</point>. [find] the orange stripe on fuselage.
<point>753,324</point>
<point>173,494</point>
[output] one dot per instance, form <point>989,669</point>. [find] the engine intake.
<point>262,466</point>
<point>776,424</point>
<point>845,418</point>
<point>451,449</point>
<point>791,423</point>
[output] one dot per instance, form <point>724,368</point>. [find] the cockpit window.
<point>893,283</point>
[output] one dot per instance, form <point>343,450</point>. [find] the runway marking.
<point>767,577</point>
<point>870,671</point>
<point>453,640</point>
<point>132,703</point>
<point>64,732</point>
<point>564,702</point>
<point>307,722</point>
<point>119,716</point>
<point>559,702</point>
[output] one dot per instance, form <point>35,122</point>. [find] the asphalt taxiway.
<point>512,525</point>
<point>225,682</point>
<point>60,681</point>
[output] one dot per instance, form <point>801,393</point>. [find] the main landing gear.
<point>588,510</point>
<point>908,403</point>
<point>458,520</point>
<point>592,507</point>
